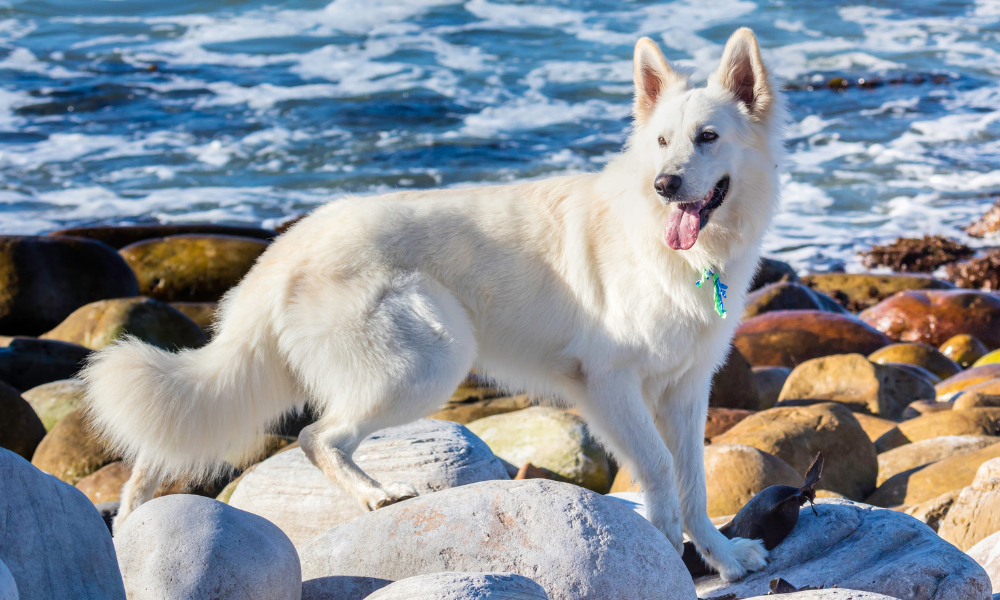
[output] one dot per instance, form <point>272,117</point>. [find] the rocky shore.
<point>893,376</point>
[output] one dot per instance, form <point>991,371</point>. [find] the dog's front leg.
<point>682,413</point>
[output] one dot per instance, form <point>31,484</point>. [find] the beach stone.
<point>921,484</point>
<point>202,313</point>
<point>928,451</point>
<point>192,547</point>
<point>736,473</point>
<point>119,236</point>
<point>787,338</point>
<point>770,380</point>
<point>858,383</point>
<point>983,394</point>
<point>918,408</point>
<point>990,358</point>
<point>964,349</point>
<point>971,421</point>
<point>53,401</point>
<point>920,355</point>
<point>462,586</point>
<point>987,224</point>
<point>976,513</point>
<point>796,434</point>
<point>8,587</point>
<point>786,295</point>
<point>770,270</point>
<point>191,268</point>
<point>855,546</point>
<point>52,540</point>
<point>571,541</point>
<point>105,484</point>
<point>28,363</point>
<point>874,427</point>
<point>721,420</point>
<point>71,451</point>
<point>924,254</point>
<point>987,553</point>
<point>100,324</point>
<point>830,594</point>
<point>933,511</point>
<point>733,385</point>
<point>20,428</point>
<point>551,439</point>
<point>431,455</point>
<point>858,291</point>
<point>472,410</point>
<point>933,316</point>
<point>44,279</point>
<point>967,379</point>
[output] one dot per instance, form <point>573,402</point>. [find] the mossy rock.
<point>100,324</point>
<point>920,355</point>
<point>964,349</point>
<point>71,451</point>
<point>53,401</point>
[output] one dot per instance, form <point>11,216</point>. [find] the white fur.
<point>372,310</point>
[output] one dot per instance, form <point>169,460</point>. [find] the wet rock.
<point>976,513</point>
<point>721,420</point>
<point>28,363</point>
<point>469,411</point>
<point>52,540</point>
<point>920,255</point>
<point>462,586</point>
<point>202,313</point>
<point>20,428</point>
<point>193,547</point>
<point>788,296</point>
<point>797,434</point>
<point>772,271</point>
<point>921,484</point>
<point>972,421</point>
<point>770,380</point>
<point>987,224</point>
<point>736,473</point>
<point>920,408</point>
<point>934,316</point>
<point>933,511</point>
<point>980,273</point>
<point>990,358</point>
<point>855,546</point>
<point>571,541</point>
<point>920,355</point>
<point>987,554</point>
<point>853,380</point>
<point>788,338</point>
<point>53,401</point>
<point>99,324</point>
<point>928,451</point>
<point>964,349</point>
<point>191,268</point>
<point>121,236</point>
<point>431,455</point>
<point>966,379</point>
<point>551,439</point>
<point>874,427</point>
<point>858,291</point>
<point>71,451</point>
<point>42,280</point>
<point>734,385</point>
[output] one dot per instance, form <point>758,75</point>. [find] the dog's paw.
<point>392,493</point>
<point>747,556</point>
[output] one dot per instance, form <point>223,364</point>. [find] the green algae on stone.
<point>99,324</point>
<point>53,401</point>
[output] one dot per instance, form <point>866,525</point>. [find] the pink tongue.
<point>683,225</point>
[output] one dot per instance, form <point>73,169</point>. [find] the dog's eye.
<point>708,136</point>
<point>661,141</point>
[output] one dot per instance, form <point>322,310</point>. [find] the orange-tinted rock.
<point>788,338</point>
<point>874,426</point>
<point>971,421</point>
<point>920,355</point>
<point>925,483</point>
<point>721,420</point>
<point>925,407</point>
<point>967,379</point>
<point>979,395</point>
<point>934,316</point>
<point>858,291</point>
<point>733,385</point>
<point>105,485</point>
<point>71,451</point>
<point>964,349</point>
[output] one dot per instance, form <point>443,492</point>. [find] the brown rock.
<point>919,408</point>
<point>921,255</point>
<point>964,349</point>
<point>796,434</point>
<point>928,482</point>
<point>27,363</point>
<point>771,271</point>
<point>121,236</point>
<point>874,427</point>
<point>191,268</point>
<point>972,421</point>
<point>20,428</point>
<point>788,296</point>
<point>892,438</point>
<point>530,471</point>
<point>105,485</point>
<point>721,420</point>
<point>976,513</point>
<point>53,401</point>
<point>467,412</point>
<point>735,473</point>
<point>933,511</point>
<point>851,379</point>
<point>71,451</point>
<point>987,224</point>
<point>42,280</point>
<point>734,386</point>
<point>967,379</point>
<point>770,380</point>
<point>858,291</point>
<point>202,313</point>
<point>920,355</point>
<point>980,395</point>
<point>99,324</point>
<point>933,316</point>
<point>281,229</point>
<point>928,451</point>
<point>789,337</point>
<point>980,273</point>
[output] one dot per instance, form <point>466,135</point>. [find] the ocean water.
<point>250,111</point>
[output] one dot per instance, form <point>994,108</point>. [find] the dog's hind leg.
<point>139,489</point>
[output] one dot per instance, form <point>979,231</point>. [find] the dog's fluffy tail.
<point>184,414</point>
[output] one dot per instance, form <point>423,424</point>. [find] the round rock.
<point>472,409</point>
<point>99,324</point>
<point>786,295</point>
<point>920,355</point>
<point>933,316</point>
<point>119,236</point>
<point>27,363</point>
<point>53,401</point>
<point>786,338</point>
<point>971,421</point>
<point>987,554</point>
<point>734,385</point>
<point>770,380</point>
<point>964,349</point>
<point>71,451</point>
<point>735,473</point>
<point>20,428</point>
<point>929,451</point>
<point>921,484</point>
<point>462,586</point>
<point>8,587</point>
<point>976,513</point>
<point>858,291</point>
<point>966,379</point>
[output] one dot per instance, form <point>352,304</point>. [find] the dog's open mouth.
<point>686,220</point>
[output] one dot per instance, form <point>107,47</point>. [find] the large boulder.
<point>191,268</point>
<point>770,380</point>
<point>976,513</point>
<point>721,420</point>
<point>858,291</point>
<point>100,324</point>
<point>828,594</point>
<point>859,547</point>
<point>987,554</point>
<point>862,385</point>
<point>27,363</point>
<point>193,547</point>
<point>796,434</point>
<point>53,401</point>
<point>734,385</point>
<point>551,439</point>
<point>874,427</point>
<point>933,316</point>
<point>971,421</point>
<point>735,473</point>
<point>431,455</point>
<point>20,428</point>
<point>71,451</point>
<point>462,586</point>
<point>8,587</point>
<point>52,539</point>
<point>947,388</point>
<point>788,296</point>
<point>788,337</point>
<point>921,355</point>
<point>119,236</point>
<point>571,541</point>
<point>925,452</point>
<point>921,484</point>
<point>42,280</point>
<point>964,349</point>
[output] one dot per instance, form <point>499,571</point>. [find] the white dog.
<point>373,310</point>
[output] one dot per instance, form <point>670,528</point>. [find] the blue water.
<point>251,111</point>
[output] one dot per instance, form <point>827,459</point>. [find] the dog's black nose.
<point>667,185</point>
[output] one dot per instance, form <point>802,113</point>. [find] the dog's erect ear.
<point>652,76</point>
<point>742,73</point>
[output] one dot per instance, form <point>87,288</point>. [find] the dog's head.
<point>708,155</point>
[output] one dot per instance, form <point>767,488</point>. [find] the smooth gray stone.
<point>462,586</point>
<point>186,547</point>
<point>987,554</point>
<point>571,541</point>
<point>8,587</point>
<point>832,594</point>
